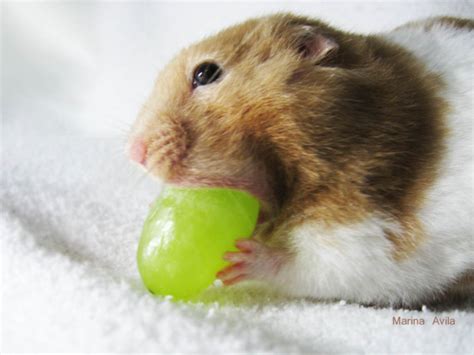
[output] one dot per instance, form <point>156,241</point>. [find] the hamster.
<point>359,148</point>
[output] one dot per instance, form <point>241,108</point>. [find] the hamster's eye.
<point>206,73</point>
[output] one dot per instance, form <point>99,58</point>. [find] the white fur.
<point>355,262</point>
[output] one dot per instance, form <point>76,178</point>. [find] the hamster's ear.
<point>315,46</point>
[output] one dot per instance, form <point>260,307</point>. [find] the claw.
<point>237,279</point>
<point>231,271</point>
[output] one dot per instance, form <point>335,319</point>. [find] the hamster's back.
<point>446,47</point>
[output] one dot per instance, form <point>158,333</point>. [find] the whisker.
<point>146,173</point>
<point>119,127</point>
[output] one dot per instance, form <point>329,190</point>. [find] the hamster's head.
<point>231,110</point>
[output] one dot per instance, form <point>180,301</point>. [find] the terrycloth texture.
<point>70,222</point>
<point>71,214</point>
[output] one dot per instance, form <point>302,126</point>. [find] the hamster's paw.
<point>253,261</point>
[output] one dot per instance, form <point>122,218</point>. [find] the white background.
<point>85,67</point>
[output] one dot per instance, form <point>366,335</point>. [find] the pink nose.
<point>138,151</point>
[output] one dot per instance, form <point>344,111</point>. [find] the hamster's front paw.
<point>253,261</point>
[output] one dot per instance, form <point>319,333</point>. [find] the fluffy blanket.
<point>73,207</point>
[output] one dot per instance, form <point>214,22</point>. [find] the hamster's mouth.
<point>258,189</point>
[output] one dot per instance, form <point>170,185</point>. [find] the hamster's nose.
<point>138,151</point>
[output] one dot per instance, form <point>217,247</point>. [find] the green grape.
<point>186,234</point>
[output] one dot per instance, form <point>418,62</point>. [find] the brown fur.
<point>455,22</point>
<point>408,240</point>
<point>464,285</point>
<point>356,134</point>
